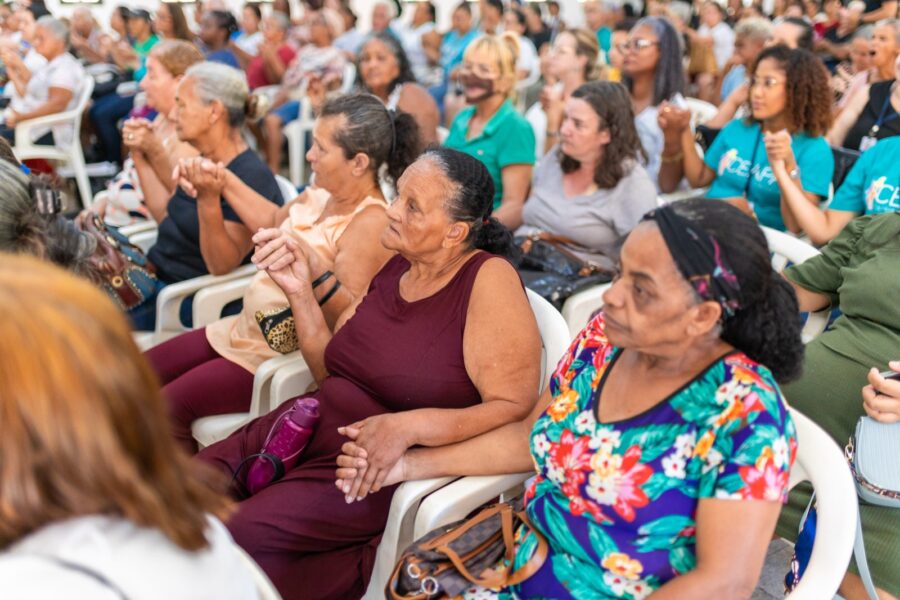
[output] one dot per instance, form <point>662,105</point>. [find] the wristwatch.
<point>795,173</point>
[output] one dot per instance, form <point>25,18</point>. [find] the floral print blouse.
<point>616,501</point>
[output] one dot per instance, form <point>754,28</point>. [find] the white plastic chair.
<point>168,302</point>
<point>72,155</point>
<point>578,309</point>
<point>786,249</point>
<point>296,130</point>
<point>264,587</point>
<point>701,111</point>
<point>821,462</point>
<point>288,191</point>
<point>280,377</point>
<point>399,532</point>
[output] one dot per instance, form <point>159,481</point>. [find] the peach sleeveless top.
<point>239,338</point>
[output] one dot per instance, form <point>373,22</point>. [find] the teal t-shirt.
<point>738,156</point>
<point>506,139</point>
<point>143,49</point>
<point>873,185</point>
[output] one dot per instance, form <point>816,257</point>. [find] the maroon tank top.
<point>394,355</point>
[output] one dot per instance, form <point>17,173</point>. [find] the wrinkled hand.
<point>11,58</point>
<point>282,258</point>
<point>11,118</point>
<point>268,49</point>
<point>200,177</point>
<point>316,89</point>
<point>881,398</point>
<point>778,148</point>
<point>355,478</point>
<point>672,120</point>
<point>138,136</point>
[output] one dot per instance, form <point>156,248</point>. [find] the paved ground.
<point>771,582</point>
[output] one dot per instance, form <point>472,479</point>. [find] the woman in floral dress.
<point>663,445</point>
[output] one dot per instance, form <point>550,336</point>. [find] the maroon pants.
<point>197,382</point>
<point>308,540</point>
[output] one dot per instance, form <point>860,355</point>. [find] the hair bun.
<point>257,106</point>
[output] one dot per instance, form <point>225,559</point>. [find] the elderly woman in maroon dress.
<point>443,347</point>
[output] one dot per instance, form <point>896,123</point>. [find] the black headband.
<point>699,258</point>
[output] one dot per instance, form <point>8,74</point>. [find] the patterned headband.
<point>699,258</point>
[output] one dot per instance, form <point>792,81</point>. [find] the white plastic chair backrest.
<point>288,191</point>
<point>401,521</point>
<point>821,462</point>
<point>348,78</point>
<point>87,88</point>
<point>786,249</point>
<point>701,111</point>
<point>555,337</point>
<point>264,586</point>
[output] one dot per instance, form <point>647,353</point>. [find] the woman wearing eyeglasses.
<point>490,129</point>
<point>653,73</point>
<point>573,62</point>
<point>779,149</point>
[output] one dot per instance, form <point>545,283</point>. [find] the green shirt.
<point>859,271</point>
<point>143,49</point>
<point>506,139</point>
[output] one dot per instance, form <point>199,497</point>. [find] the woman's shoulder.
<point>513,118</point>
<point>741,125</point>
<point>250,169</point>
<point>89,541</point>
<point>411,94</point>
<point>636,175</point>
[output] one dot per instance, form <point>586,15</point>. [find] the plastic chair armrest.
<point>168,303</point>
<point>209,302</point>
<point>461,497</point>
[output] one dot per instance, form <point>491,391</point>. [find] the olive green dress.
<point>860,272</point>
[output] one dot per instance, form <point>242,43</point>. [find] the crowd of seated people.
<point>466,133</point>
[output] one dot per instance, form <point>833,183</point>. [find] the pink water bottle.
<point>286,440</point>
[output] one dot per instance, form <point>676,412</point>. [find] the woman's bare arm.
<point>748,526</point>
<point>516,183</point>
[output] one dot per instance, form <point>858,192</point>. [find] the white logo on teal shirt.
<point>882,197</point>
<point>735,165</point>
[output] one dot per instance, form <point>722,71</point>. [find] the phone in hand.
<point>892,375</point>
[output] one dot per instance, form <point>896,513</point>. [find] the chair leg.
<point>81,176</point>
<point>295,156</point>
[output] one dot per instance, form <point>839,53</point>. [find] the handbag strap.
<point>859,553</point>
<point>495,580</point>
<point>537,559</point>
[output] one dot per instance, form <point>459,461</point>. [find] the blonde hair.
<point>176,56</point>
<point>85,430</point>
<point>503,49</point>
<point>586,45</point>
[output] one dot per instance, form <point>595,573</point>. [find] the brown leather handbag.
<point>475,551</point>
<point>120,267</point>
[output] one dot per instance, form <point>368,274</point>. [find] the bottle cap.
<point>305,412</point>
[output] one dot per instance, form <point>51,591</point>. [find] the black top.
<point>873,5</point>
<point>540,38</point>
<point>176,253</point>
<point>879,94</point>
